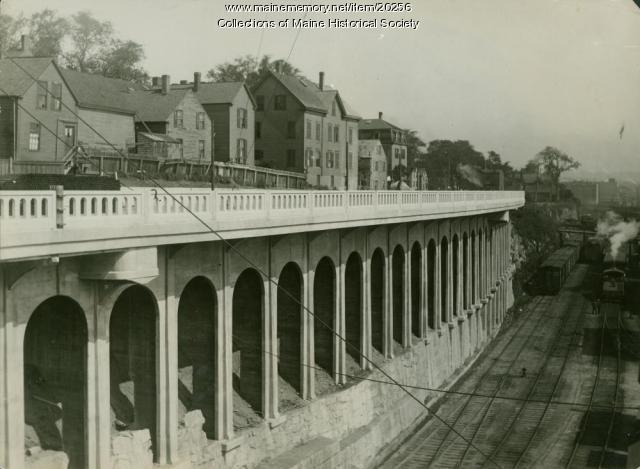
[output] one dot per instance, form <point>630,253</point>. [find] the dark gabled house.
<point>231,108</point>
<point>171,123</point>
<point>306,127</point>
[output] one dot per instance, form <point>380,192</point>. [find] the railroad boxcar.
<point>556,268</point>
<point>613,284</point>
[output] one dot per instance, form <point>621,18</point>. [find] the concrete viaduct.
<point>121,314</point>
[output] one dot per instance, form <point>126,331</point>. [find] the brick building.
<point>166,116</point>
<point>303,126</point>
<point>372,165</point>
<point>232,109</point>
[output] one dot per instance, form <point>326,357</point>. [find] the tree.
<point>121,61</point>
<point>554,162</point>
<point>10,31</point>
<point>46,31</point>
<point>443,161</point>
<point>90,38</point>
<point>250,69</point>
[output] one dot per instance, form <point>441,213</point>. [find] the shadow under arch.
<point>55,378</point>
<point>133,361</point>
<point>197,360</point>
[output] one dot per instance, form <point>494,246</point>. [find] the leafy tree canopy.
<point>80,42</point>
<point>452,164</point>
<point>250,69</point>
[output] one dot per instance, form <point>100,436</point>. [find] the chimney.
<point>166,83</point>
<point>321,80</point>
<point>23,50</point>
<point>380,115</point>
<point>196,81</point>
<point>155,82</point>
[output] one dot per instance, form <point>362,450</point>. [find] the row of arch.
<point>55,345</point>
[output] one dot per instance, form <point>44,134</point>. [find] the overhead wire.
<point>250,263</point>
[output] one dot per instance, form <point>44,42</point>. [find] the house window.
<point>56,101</point>
<point>330,132</point>
<point>333,181</point>
<point>280,103</point>
<point>242,118</point>
<point>241,150</point>
<point>291,129</point>
<point>318,158</point>
<point>333,108</point>
<point>308,133</point>
<point>375,166</point>
<point>336,162</point>
<point>178,119</point>
<point>181,144</point>
<point>350,135</point>
<point>201,149</point>
<point>336,134</point>
<point>42,95</point>
<point>291,158</point>
<point>259,155</point>
<point>350,160</point>
<point>318,130</point>
<point>308,157</point>
<point>200,120</point>
<point>258,129</point>
<point>260,103</point>
<point>34,137</point>
<point>329,159</point>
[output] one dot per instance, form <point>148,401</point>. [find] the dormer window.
<point>333,108</point>
<point>56,92</point>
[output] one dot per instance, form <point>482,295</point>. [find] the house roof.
<point>217,93</point>
<point>153,106</point>
<point>312,97</point>
<point>376,124</point>
<point>16,82</point>
<point>98,92</point>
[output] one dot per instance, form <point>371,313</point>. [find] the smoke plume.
<point>470,173</point>
<point>617,231</point>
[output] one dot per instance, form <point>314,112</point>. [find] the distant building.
<point>586,192</point>
<point>372,165</point>
<point>392,137</point>
<point>231,107</point>
<point>303,126</point>
<point>165,116</point>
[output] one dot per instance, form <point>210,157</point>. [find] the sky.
<point>509,76</point>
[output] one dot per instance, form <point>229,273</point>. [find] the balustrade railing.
<point>26,211</point>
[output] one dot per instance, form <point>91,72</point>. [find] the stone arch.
<point>455,274</point>
<point>474,263</point>
<point>289,303</point>
<point>353,306</point>
<point>324,305</point>
<point>416,288</point>
<point>133,361</point>
<point>55,378</point>
<point>397,292</point>
<point>431,283</point>
<point>444,279</point>
<point>465,271</point>
<point>377,299</point>
<point>197,361</point>
<point>247,324</point>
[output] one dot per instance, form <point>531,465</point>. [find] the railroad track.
<point>436,445</point>
<point>433,435</point>
<point>592,444</point>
